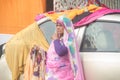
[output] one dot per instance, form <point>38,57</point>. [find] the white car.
<point>99,46</point>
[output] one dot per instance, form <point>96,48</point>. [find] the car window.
<point>48,28</point>
<point>101,37</point>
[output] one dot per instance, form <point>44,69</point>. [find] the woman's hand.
<point>55,36</point>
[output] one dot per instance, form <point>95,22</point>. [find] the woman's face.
<point>59,29</point>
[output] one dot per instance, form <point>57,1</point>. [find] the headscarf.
<point>70,40</point>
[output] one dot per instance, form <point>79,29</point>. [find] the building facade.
<point>114,4</point>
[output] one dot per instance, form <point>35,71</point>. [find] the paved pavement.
<point>5,73</point>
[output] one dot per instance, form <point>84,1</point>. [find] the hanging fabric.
<point>92,17</point>
<point>18,48</point>
<point>61,5</point>
<point>96,2</point>
<point>35,64</point>
<point>100,4</point>
<point>74,55</point>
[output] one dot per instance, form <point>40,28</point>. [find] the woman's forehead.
<point>58,24</point>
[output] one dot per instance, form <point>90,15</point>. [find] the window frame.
<point>83,36</point>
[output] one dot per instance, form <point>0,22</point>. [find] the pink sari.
<point>74,55</point>
<point>68,67</point>
<point>57,68</point>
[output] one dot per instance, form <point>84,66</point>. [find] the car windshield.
<point>101,37</point>
<point>48,28</point>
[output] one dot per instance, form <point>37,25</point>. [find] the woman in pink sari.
<point>58,65</point>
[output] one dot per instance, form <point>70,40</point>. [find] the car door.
<point>99,47</point>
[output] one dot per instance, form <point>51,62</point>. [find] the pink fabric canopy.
<point>92,17</point>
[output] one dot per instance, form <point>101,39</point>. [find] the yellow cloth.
<point>72,13</point>
<point>31,65</point>
<point>18,47</point>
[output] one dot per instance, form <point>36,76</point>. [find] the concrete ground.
<point>5,73</point>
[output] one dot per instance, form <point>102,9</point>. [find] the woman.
<point>58,65</point>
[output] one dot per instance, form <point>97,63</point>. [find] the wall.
<point>15,15</point>
<point>114,4</point>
